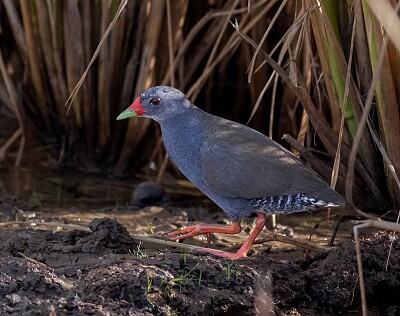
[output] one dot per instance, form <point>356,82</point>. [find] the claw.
<point>208,236</point>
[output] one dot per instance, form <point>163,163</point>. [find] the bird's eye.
<point>155,101</point>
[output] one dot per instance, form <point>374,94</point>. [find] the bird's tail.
<point>330,198</point>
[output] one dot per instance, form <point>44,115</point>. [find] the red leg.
<point>242,252</point>
<point>204,229</point>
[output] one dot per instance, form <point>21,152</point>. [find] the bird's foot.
<point>242,252</point>
<point>204,230</point>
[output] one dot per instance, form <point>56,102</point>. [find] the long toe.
<point>204,229</point>
<point>185,233</point>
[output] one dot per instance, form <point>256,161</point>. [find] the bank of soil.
<point>49,271</point>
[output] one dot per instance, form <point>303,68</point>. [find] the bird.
<point>240,169</point>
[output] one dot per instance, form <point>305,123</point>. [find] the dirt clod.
<point>46,272</point>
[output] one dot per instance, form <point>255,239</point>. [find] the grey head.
<point>158,103</point>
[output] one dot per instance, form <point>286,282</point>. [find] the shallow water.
<point>64,189</point>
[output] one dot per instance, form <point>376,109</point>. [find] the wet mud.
<point>104,271</point>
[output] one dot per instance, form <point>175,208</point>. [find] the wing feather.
<point>237,161</point>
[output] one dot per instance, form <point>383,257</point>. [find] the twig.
<point>308,155</point>
<point>362,225</point>
<point>34,261</point>
<point>156,241</point>
<point>168,243</point>
<point>63,225</point>
<point>300,243</point>
<point>381,224</point>
<point>287,240</point>
<point>67,285</point>
<point>192,248</point>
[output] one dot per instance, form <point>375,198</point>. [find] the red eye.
<point>155,101</point>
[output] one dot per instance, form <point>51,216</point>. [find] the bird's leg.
<point>206,230</point>
<point>242,252</point>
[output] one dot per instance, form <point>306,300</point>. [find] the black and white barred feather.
<point>289,204</point>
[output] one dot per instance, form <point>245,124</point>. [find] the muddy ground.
<point>58,271</point>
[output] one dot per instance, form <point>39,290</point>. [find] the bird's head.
<point>158,103</point>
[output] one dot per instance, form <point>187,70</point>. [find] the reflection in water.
<point>64,189</point>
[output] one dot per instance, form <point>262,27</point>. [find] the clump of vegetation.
<point>231,269</point>
<point>139,253</point>
<point>335,81</point>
